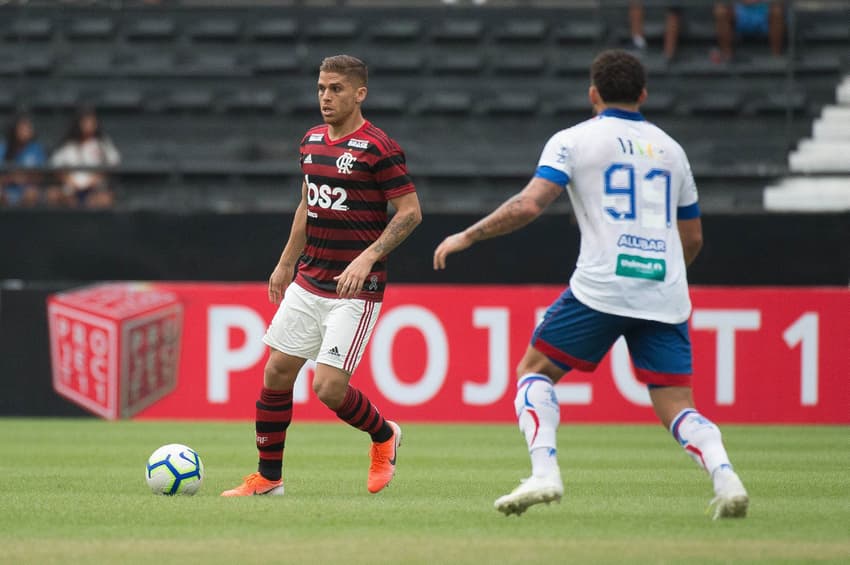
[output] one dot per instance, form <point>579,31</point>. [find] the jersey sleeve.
<point>688,206</point>
<point>391,175</point>
<point>556,161</point>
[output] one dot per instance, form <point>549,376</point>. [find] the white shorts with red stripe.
<point>332,331</point>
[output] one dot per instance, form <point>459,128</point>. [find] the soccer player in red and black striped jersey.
<point>336,260</point>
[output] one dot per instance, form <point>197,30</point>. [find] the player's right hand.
<point>278,281</point>
<point>452,244</point>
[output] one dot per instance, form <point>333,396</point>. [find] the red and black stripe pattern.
<point>274,414</point>
<point>357,411</point>
<point>349,182</point>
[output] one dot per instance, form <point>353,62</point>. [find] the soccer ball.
<point>175,469</point>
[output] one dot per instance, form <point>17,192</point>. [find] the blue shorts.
<point>752,19</point>
<point>574,336</point>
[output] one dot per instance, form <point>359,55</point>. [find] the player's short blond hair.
<point>350,67</point>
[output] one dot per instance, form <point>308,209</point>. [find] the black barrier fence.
<point>784,249</point>
<point>25,378</point>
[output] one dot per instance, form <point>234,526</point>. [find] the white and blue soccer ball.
<point>175,469</point>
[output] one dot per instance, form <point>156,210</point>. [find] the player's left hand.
<point>349,283</point>
<point>452,244</point>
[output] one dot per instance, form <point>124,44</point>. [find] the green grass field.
<point>73,491</point>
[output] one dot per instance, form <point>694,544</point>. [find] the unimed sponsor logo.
<point>639,267</point>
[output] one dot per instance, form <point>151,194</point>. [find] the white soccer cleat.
<point>731,499</point>
<point>531,491</point>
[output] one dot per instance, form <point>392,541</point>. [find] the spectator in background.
<point>86,146</point>
<point>21,149</point>
<point>748,18</point>
<point>672,23</point>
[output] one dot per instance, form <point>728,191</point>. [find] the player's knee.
<point>330,392</point>
<point>539,366</point>
<point>276,376</point>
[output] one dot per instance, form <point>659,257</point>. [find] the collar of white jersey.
<point>624,114</point>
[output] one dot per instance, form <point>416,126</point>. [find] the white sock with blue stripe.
<point>701,439</point>
<point>539,414</point>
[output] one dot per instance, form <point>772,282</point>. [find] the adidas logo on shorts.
<point>334,351</point>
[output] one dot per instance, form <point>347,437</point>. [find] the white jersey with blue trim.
<point>629,182</point>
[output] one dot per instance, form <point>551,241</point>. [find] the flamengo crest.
<point>344,163</point>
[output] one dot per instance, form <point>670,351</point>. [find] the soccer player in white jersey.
<point>635,200</point>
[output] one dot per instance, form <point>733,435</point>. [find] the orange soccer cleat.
<point>257,484</point>
<point>383,456</point>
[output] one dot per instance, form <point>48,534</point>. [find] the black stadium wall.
<point>740,249</point>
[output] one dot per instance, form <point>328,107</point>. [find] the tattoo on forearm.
<point>396,231</point>
<point>508,217</point>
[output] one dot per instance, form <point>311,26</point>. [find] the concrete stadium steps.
<point>824,158</point>
<point>809,194</point>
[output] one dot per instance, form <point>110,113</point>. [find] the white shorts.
<point>333,331</point>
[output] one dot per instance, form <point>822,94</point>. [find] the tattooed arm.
<point>408,215</point>
<point>518,211</point>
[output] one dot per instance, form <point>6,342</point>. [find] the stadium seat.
<point>837,30</point>
<point>55,100</point>
<point>273,29</point>
<point>276,62</point>
<point>776,102</point>
<point>149,64</point>
<point>573,61</point>
<point>574,102</point>
<point>699,30</point>
<point>464,63</point>
<point>151,29</point>
<point>186,100</point>
<point>762,64</point>
<point>513,103</point>
<point>301,102</point>
<point>579,31</point>
<point>217,29</point>
<point>817,62</point>
<point>458,30</point>
<point>444,102</point>
<point>94,28</point>
<point>88,64</point>
<point>250,100</point>
<point>119,100</point>
<point>396,62</point>
<point>11,66</point>
<point>522,30</point>
<point>31,29</point>
<point>719,102</point>
<point>36,62</point>
<point>511,62</point>
<point>396,30</point>
<point>659,103</point>
<point>206,64</point>
<point>385,102</point>
<point>333,28</point>
<point>8,100</point>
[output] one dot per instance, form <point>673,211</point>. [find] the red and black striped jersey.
<point>349,182</point>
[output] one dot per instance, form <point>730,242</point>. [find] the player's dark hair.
<point>350,67</point>
<point>75,131</point>
<point>619,76</point>
<point>14,144</point>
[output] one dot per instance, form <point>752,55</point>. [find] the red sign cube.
<point>115,347</point>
